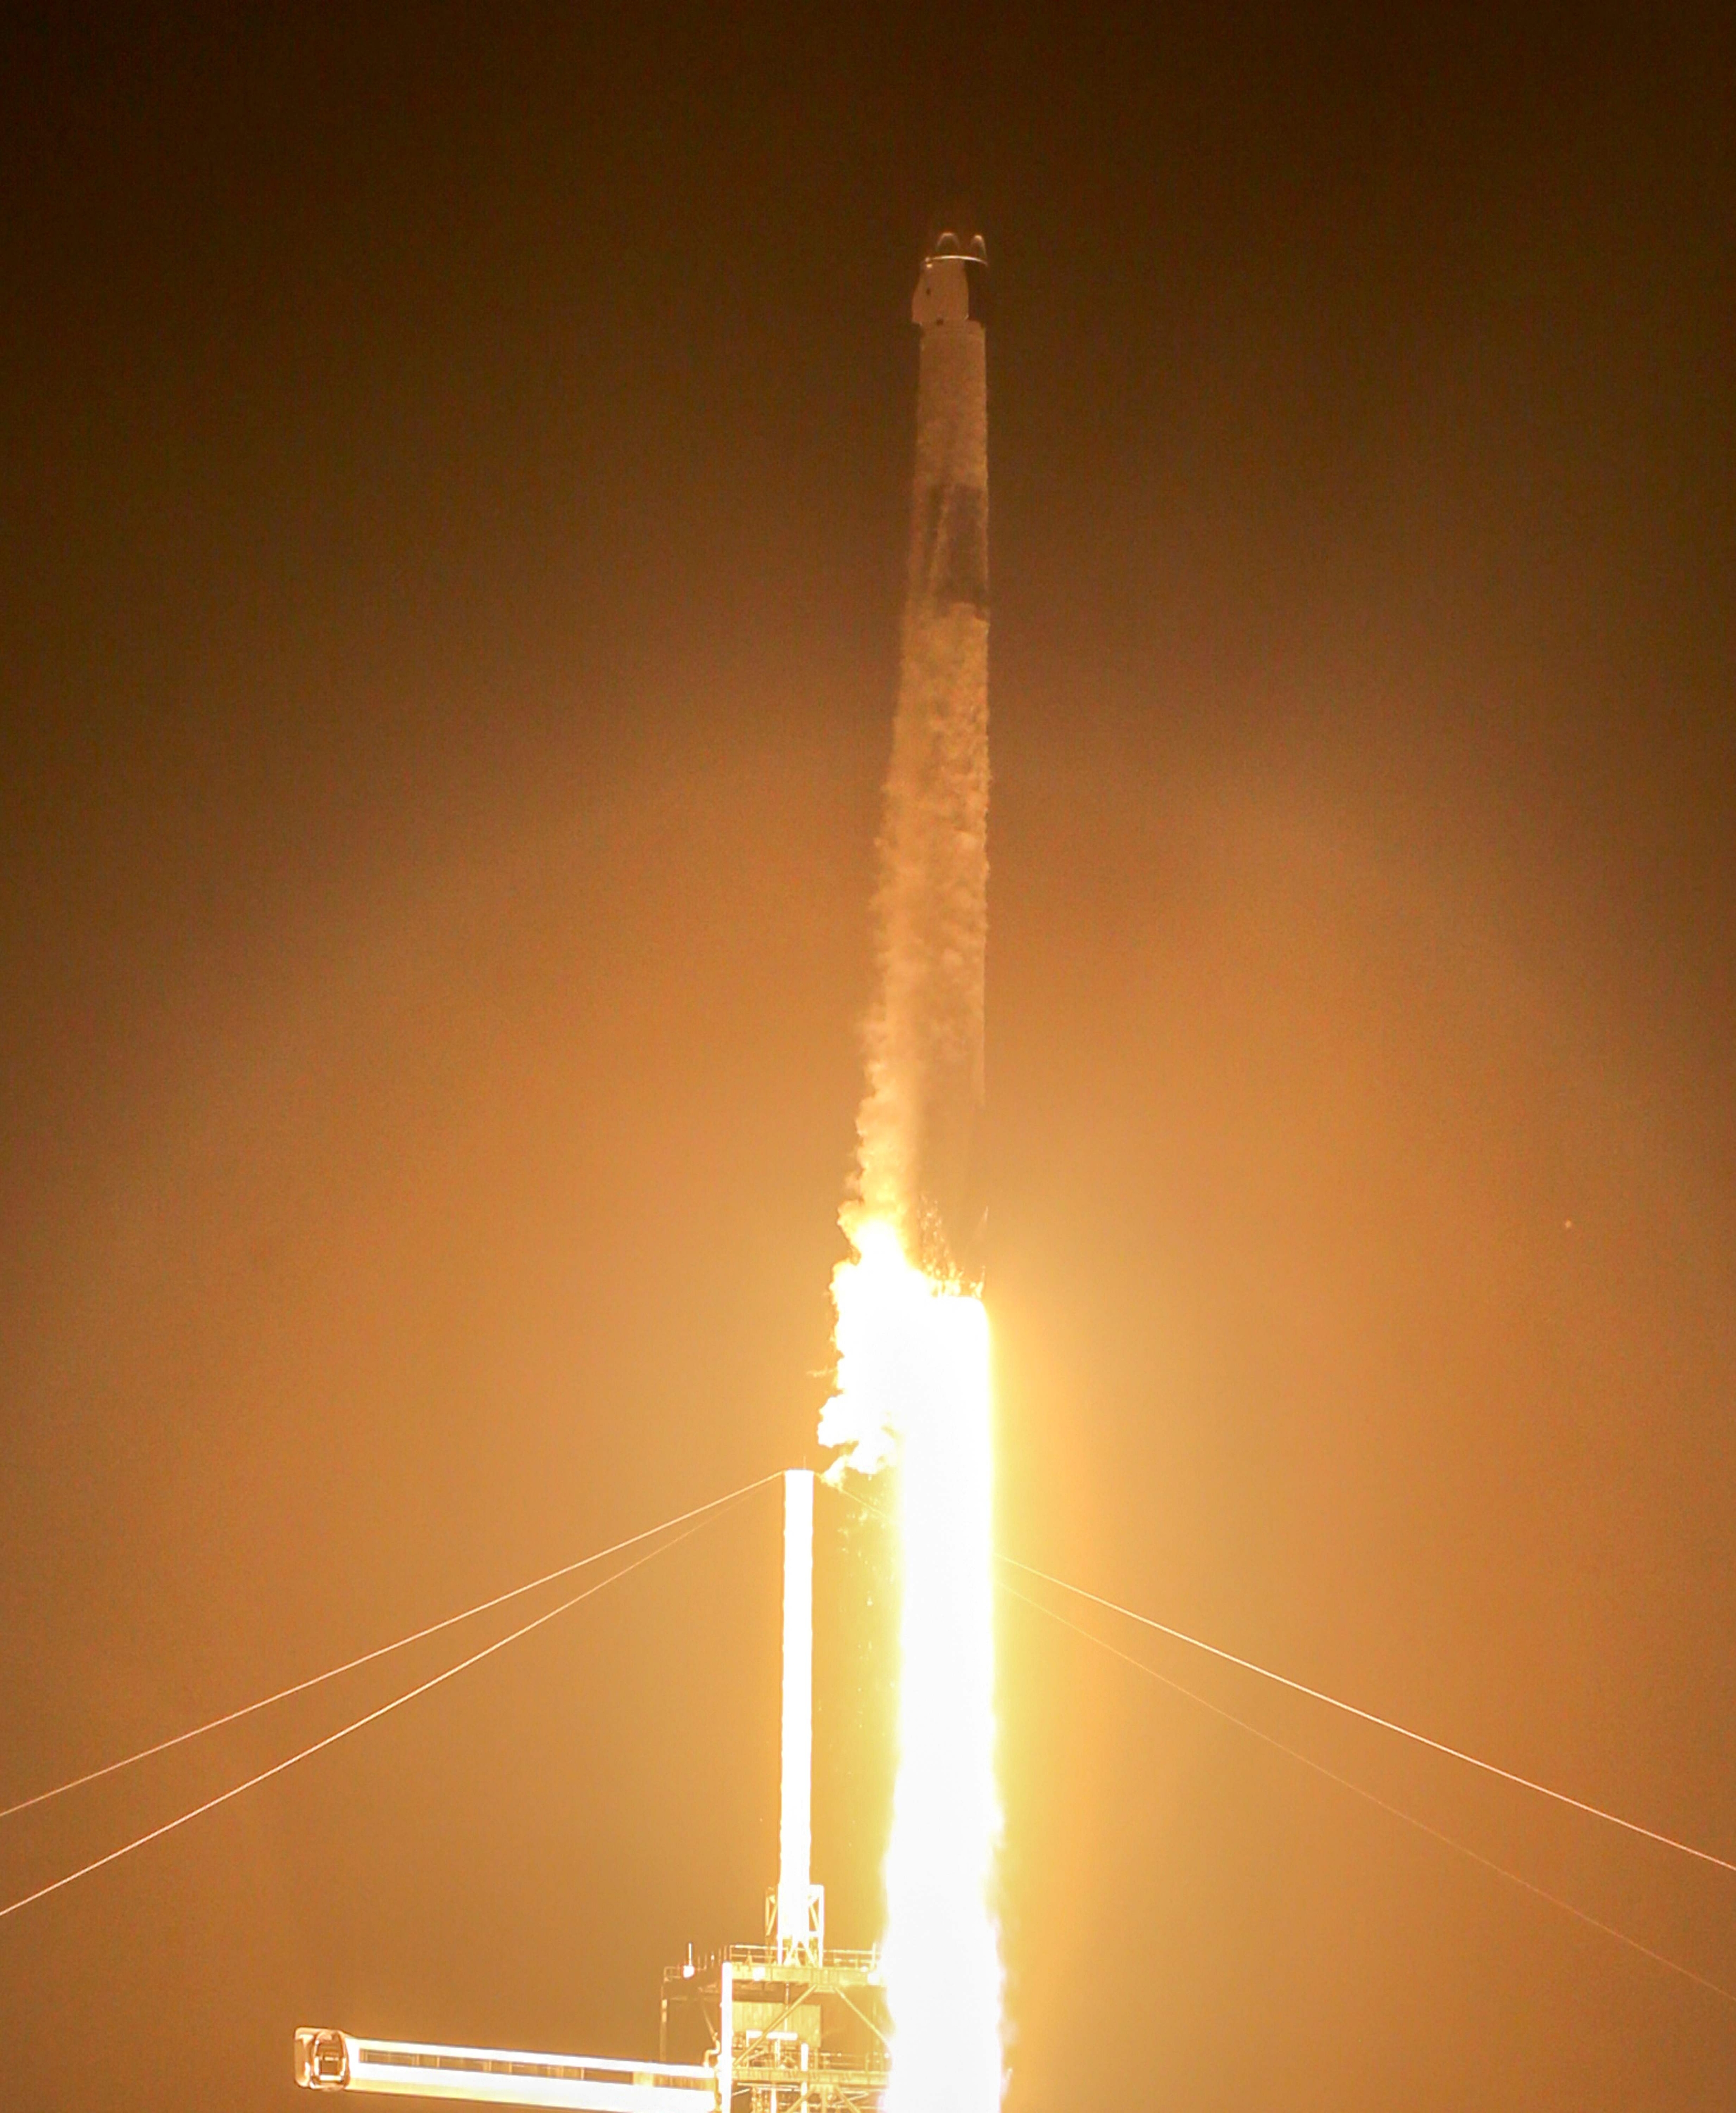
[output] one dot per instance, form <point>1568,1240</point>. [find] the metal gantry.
<point>785,2035</point>
<point>782,2027</point>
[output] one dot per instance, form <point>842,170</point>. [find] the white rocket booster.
<point>925,1038</point>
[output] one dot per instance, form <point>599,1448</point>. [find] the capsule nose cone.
<point>959,242</point>
<point>952,287</point>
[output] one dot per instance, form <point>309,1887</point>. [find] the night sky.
<point>454,472</point>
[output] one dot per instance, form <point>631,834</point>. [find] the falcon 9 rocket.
<point>913,1336</point>
<point>925,1034</point>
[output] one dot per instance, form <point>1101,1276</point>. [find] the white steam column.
<point>801,1909</point>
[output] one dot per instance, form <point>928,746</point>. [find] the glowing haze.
<point>912,1387</point>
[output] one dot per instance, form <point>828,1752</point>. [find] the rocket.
<point>949,541</point>
<point>925,1056</point>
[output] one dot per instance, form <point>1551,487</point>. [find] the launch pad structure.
<point>785,2026</point>
<point>786,2023</point>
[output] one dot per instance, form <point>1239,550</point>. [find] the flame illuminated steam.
<point>914,1385</point>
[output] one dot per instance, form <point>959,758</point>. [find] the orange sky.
<point>453,533</point>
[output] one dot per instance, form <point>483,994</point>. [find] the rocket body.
<point>912,1338</point>
<point>925,1080</point>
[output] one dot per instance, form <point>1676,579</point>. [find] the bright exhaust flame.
<point>913,1386</point>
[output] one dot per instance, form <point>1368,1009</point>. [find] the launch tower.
<point>782,2027</point>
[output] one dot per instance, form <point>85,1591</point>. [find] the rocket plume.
<point>913,1386</point>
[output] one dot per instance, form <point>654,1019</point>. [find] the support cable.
<point>383,1650</point>
<point>1332,1702</point>
<point>1344,1782</point>
<point>372,1716</point>
<point>1369,1717</point>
